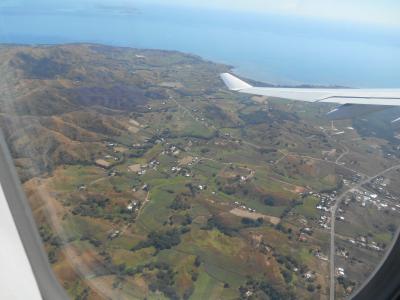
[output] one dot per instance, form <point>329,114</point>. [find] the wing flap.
<point>370,101</point>
<point>348,111</point>
<point>292,94</point>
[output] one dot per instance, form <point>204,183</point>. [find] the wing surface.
<point>381,97</point>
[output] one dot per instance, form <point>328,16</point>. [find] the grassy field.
<point>164,228</point>
<point>308,207</point>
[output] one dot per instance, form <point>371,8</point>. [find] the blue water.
<point>275,49</point>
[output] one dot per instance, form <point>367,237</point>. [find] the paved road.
<point>338,200</point>
<point>333,218</point>
<point>21,212</point>
<point>337,203</point>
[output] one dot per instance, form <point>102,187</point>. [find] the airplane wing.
<point>353,102</point>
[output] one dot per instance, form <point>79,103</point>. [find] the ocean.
<point>275,49</point>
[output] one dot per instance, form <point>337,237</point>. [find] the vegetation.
<point>161,240</point>
<point>166,185</point>
<point>270,201</point>
<point>261,289</point>
<point>180,203</point>
<point>93,206</point>
<point>215,223</point>
<point>252,223</point>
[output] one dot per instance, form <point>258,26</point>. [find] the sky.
<point>371,12</point>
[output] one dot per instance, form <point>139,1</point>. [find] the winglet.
<point>233,83</point>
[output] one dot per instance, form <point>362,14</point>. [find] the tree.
<point>310,288</point>
<point>197,261</point>
<point>287,275</point>
<point>269,200</point>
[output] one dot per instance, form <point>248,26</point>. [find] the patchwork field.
<point>148,180</point>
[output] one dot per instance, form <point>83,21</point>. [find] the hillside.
<point>68,97</point>
<point>148,179</point>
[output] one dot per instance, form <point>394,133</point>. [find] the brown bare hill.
<point>59,103</point>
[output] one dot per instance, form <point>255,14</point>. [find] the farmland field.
<point>148,180</point>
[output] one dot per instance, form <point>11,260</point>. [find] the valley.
<point>149,180</point>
